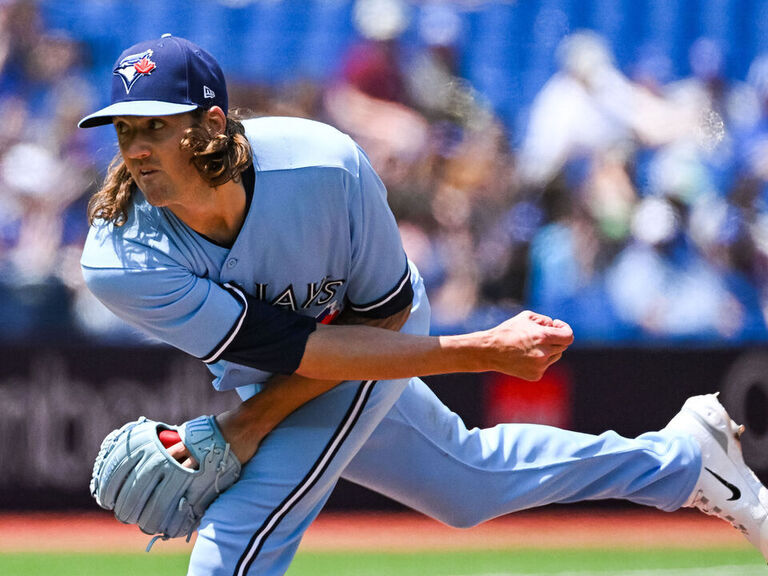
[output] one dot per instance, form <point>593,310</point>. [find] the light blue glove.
<point>136,477</point>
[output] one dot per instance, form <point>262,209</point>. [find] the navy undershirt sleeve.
<point>264,337</point>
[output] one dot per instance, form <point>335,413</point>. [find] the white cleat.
<point>726,487</point>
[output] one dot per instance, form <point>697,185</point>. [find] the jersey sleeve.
<point>379,283</point>
<point>202,318</point>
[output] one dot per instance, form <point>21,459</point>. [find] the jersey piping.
<point>222,346</point>
<point>394,301</point>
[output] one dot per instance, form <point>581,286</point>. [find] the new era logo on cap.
<point>208,93</point>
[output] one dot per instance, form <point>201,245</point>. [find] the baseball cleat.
<point>726,487</point>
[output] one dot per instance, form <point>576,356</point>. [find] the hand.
<point>242,436</point>
<point>180,453</point>
<point>527,344</point>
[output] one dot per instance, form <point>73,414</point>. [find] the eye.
<point>156,124</point>
<point>121,128</point>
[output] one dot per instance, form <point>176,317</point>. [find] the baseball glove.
<point>136,477</point>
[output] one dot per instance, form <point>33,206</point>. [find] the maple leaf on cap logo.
<point>144,66</point>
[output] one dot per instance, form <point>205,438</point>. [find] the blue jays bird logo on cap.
<point>133,67</point>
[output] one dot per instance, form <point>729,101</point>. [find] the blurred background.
<point>601,161</point>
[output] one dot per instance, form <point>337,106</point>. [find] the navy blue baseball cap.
<point>161,77</point>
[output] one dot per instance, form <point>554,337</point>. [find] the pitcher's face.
<point>150,146</point>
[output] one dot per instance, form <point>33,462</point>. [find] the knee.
<point>461,519</point>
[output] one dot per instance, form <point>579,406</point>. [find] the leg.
<point>423,456</point>
<point>256,525</point>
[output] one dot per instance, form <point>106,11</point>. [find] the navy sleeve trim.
<point>397,299</point>
<point>264,337</point>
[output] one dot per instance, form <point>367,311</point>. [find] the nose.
<point>136,149</point>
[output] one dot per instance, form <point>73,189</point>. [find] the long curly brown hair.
<point>218,158</point>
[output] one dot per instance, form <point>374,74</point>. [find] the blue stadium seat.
<point>269,30</point>
<point>490,61</point>
<point>329,33</point>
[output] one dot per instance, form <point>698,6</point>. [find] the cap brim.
<point>134,108</point>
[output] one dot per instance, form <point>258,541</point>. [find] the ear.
<point>216,119</point>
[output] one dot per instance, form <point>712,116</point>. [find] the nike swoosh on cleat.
<point>735,492</point>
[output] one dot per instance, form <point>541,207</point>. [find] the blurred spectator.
<point>433,83</point>
<point>368,100</point>
<point>720,105</point>
<point>20,32</point>
<point>661,284</point>
<point>589,107</point>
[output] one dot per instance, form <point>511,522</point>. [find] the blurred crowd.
<point>651,195</point>
<point>46,173</point>
<point>632,204</point>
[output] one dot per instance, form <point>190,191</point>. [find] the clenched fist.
<point>527,344</point>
